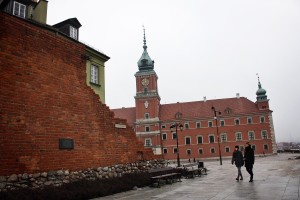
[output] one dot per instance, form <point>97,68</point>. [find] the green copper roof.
<point>261,93</point>
<point>145,62</point>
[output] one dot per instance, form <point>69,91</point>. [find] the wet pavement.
<point>275,177</point>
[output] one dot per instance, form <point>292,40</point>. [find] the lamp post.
<point>176,125</point>
<point>216,119</point>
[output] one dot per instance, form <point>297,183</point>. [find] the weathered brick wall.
<point>44,97</point>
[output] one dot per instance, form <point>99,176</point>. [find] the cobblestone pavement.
<point>275,177</point>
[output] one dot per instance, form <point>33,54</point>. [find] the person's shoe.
<point>241,179</point>
<point>251,180</point>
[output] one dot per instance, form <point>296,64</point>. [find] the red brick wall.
<point>44,97</point>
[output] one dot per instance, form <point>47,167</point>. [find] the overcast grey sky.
<point>211,48</point>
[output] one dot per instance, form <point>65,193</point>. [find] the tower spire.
<point>260,93</point>
<point>145,45</point>
<point>145,63</point>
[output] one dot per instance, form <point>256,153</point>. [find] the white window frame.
<point>148,142</point>
<point>210,124</point>
<point>237,138</point>
<point>164,136</point>
<point>264,134</point>
<point>199,136</point>
<point>188,137</point>
<point>147,115</point>
<point>19,9</point>
<point>73,32</point>
<point>251,135</point>
<point>223,137</point>
<point>147,128</point>
<point>249,120</point>
<point>228,149</point>
<point>262,119</point>
<point>174,133</point>
<point>94,74</point>
<point>209,139</point>
<point>165,150</point>
<point>222,121</point>
<point>237,120</point>
<point>186,125</point>
<point>198,124</point>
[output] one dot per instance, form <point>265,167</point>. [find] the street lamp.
<point>176,125</point>
<point>216,119</point>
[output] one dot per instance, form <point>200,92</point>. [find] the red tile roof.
<point>196,109</point>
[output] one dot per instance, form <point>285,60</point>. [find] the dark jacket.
<point>249,156</point>
<point>237,158</point>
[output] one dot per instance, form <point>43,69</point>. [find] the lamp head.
<point>181,127</point>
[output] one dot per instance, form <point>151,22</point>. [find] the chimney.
<point>40,11</point>
<point>237,95</point>
<point>204,98</point>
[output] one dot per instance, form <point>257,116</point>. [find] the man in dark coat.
<point>237,158</point>
<point>249,160</point>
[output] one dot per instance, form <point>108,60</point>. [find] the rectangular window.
<point>251,135</point>
<point>211,139</point>
<point>147,128</point>
<point>200,151</point>
<point>264,135</point>
<point>266,147</point>
<point>249,120</point>
<point>222,123</point>
<point>242,148</point>
<point>174,135</point>
<point>73,33</point>
<point>212,150</point>
<point>175,150</point>
<point>227,149</point>
<point>210,124</point>
<point>147,142</point>
<point>223,137</point>
<point>188,151</point>
<point>262,119</point>
<point>237,121</point>
<point>165,150</point>
<point>186,125</point>
<point>238,136</point>
<point>198,125</point>
<point>146,115</point>
<point>94,74</point>
<point>19,9</point>
<point>188,140</point>
<point>164,136</point>
<point>200,139</point>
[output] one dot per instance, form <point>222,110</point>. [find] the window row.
<point>221,122</point>
<point>223,137</point>
<point>212,150</point>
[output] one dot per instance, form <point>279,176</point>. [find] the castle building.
<point>209,126</point>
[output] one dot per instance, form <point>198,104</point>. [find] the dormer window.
<point>19,9</point>
<point>73,32</point>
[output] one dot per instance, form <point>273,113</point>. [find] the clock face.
<point>145,82</point>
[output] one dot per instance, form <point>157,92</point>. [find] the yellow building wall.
<point>98,89</point>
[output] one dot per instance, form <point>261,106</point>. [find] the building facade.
<point>209,126</point>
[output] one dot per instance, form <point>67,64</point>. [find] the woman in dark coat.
<point>249,160</point>
<point>237,158</point>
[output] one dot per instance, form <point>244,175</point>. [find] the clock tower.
<point>147,103</point>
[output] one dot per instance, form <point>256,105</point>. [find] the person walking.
<point>238,160</point>
<point>249,160</point>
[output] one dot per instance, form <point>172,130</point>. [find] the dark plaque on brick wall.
<point>66,143</point>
